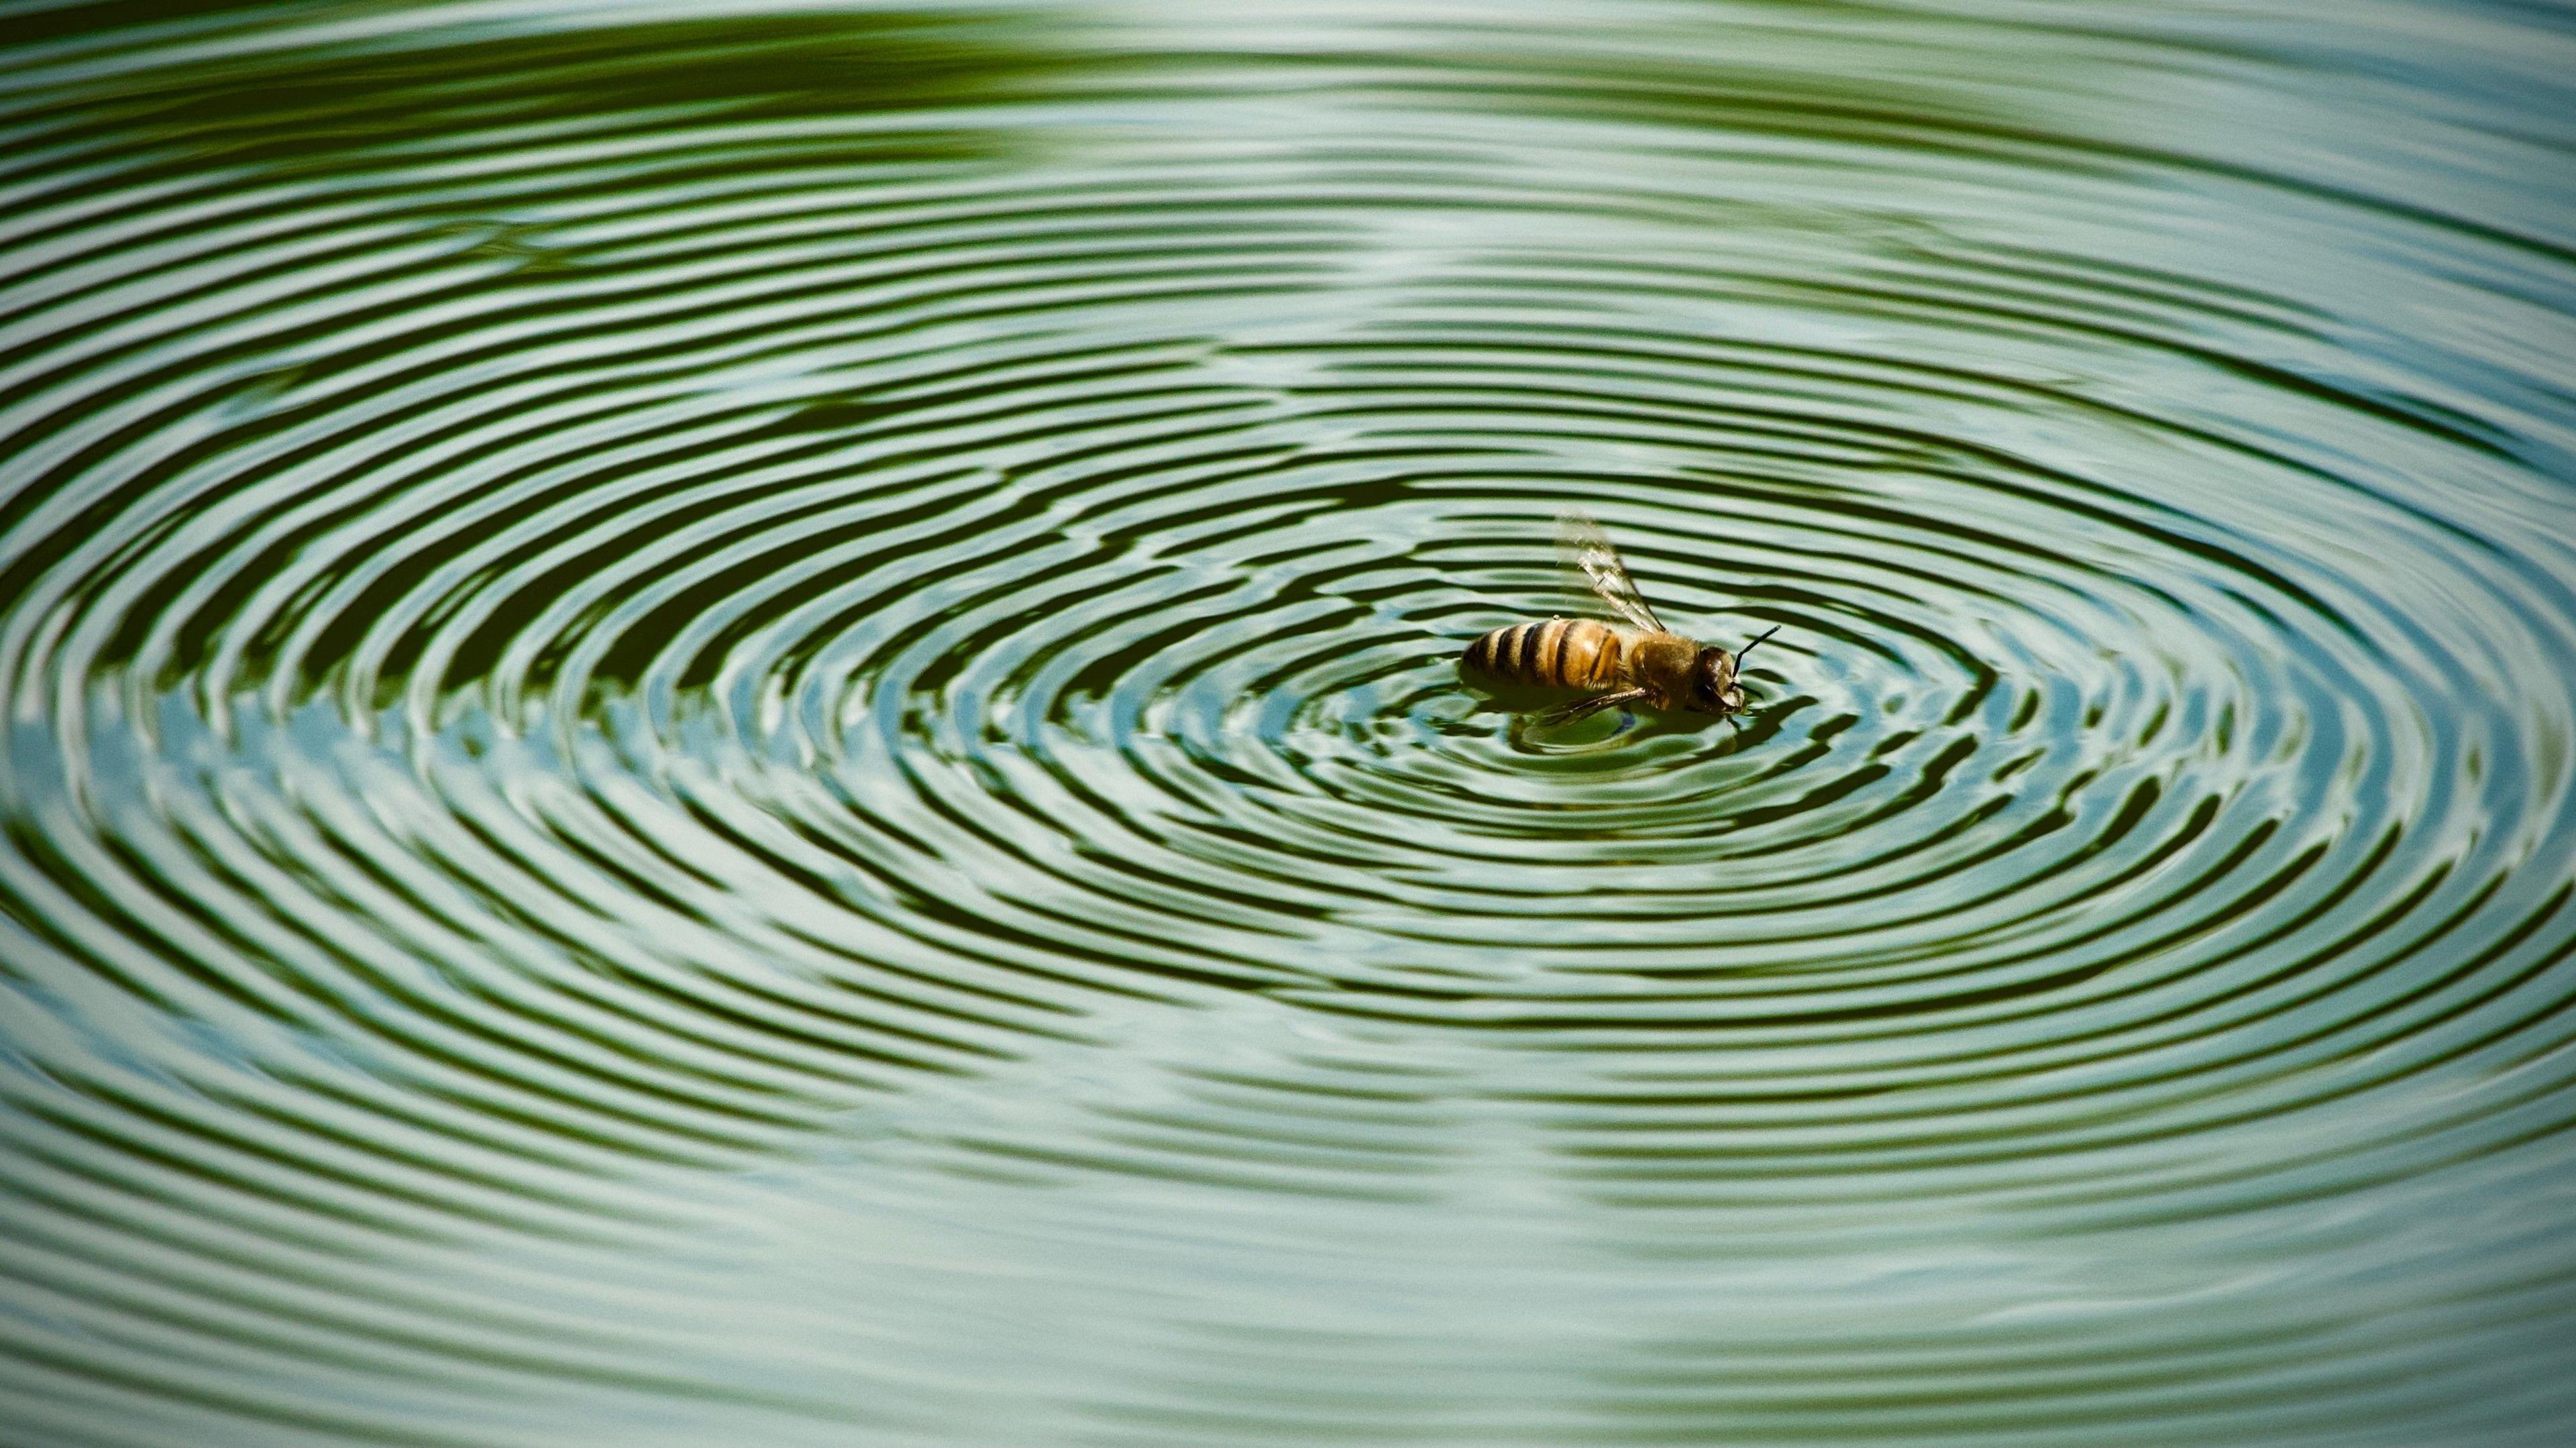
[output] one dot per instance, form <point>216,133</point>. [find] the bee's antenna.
<point>1748,648</point>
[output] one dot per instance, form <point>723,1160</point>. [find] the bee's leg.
<point>1586,708</point>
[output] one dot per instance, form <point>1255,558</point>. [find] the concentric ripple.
<point>741,726</point>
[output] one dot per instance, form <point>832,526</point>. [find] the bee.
<point>1645,663</point>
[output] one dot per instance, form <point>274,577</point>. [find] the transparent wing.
<point>1588,548</point>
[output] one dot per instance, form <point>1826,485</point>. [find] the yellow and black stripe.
<point>1562,653</point>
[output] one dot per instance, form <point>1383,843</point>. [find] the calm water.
<point>736,726</point>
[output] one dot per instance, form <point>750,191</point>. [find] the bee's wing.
<point>1588,548</point>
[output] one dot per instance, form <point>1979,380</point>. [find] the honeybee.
<point>1644,664</point>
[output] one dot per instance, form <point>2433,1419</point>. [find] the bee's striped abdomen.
<point>1562,653</point>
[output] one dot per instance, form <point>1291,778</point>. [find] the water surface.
<point>737,725</point>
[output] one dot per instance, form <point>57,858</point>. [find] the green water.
<point>736,726</point>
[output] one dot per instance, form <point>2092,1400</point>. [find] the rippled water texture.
<point>738,727</point>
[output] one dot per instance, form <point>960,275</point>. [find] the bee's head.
<point>1713,689</point>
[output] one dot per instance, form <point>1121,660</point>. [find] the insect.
<point>1644,664</point>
